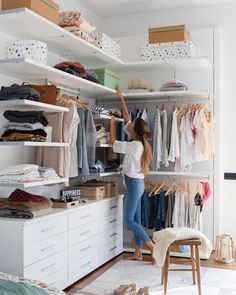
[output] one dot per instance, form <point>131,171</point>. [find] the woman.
<point>137,159</point>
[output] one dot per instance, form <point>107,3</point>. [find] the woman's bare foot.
<point>136,256</point>
<point>151,246</point>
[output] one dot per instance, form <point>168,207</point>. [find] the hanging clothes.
<point>174,152</point>
<point>157,142</point>
<point>164,128</point>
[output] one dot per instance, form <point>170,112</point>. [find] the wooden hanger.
<point>152,192</point>
<point>69,98</point>
<point>160,187</point>
<point>174,185</point>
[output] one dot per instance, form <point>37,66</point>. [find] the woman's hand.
<point>119,92</point>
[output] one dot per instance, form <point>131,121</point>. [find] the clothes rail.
<point>167,99</point>
<point>67,89</point>
<point>205,175</point>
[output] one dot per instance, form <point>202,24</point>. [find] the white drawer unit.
<point>65,245</point>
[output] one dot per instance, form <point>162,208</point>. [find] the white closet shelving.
<point>34,143</point>
<point>34,184</point>
<point>104,145</point>
<point>103,117</point>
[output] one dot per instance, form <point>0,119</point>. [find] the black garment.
<point>40,132</point>
<point>160,220</point>
<point>26,117</point>
<point>17,92</point>
<point>15,213</point>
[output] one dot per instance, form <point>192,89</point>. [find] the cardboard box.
<point>46,8</point>
<point>168,34</point>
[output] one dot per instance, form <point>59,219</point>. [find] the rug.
<point>214,281</point>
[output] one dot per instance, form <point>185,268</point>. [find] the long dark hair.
<point>142,133</point>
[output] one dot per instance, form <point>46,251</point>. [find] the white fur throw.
<point>164,238</point>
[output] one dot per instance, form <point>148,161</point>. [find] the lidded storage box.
<point>32,49</point>
<point>46,8</point>
<point>107,78</point>
<point>168,34</point>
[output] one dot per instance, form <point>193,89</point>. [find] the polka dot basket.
<point>31,49</point>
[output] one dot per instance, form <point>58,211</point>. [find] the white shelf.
<point>29,70</point>
<point>105,174</point>
<point>104,145</point>
<point>33,184</point>
<point>204,174</point>
<point>103,117</point>
<point>34,143</point>
<point>34,105</point>
<point>161,94</point>
<point>24,23</point>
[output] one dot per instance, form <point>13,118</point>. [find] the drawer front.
<point>82,249</point>
<point>111,250</point>
<point>58,279</point>
<point>45,248</point>
<point>112,206</point>
<point>81,268</point>
<point>47,266</point>
<point>83,216</point>
<point>111,221</point>
<point>111,235</point>
<point>84,232</point>
<point>42,230</point>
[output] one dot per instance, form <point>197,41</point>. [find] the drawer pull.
<point>87,263</point>
<point>85,232</point>
<point>114,220</point>
<point>47,229</point>
<point>113,207</point>
<point>85,216</point>
<point>48,248</point>
<point>112,249</point>
<point>84,249</point>
<point>47,267</point>
<point>113,235</point>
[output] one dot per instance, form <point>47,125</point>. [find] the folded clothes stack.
<point>17,92</point>
<point>100,167</point>
<point>139,85</point>
<point>24,126</point>
<point>100,111</point>
<point>77,69</point>
<point>23,205</point>
<point>102,134</point>
<point>174,85</point>
<point>26,173</point>
<point>75,22</point>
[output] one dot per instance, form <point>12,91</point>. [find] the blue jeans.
<point>135,190</point>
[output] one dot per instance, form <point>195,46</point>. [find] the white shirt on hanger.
<point>174,143</point>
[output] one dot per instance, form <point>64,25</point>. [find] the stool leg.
<point>193,264</point>
<point>198,271</point>
<point>167,262</point>
<point>162,274</point>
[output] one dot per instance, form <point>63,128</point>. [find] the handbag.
<point>48,93</point>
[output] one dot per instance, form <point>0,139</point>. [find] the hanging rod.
<point>205,174</point>
<point>67,89</point>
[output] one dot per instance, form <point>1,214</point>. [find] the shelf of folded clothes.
<point>99,112</point>
<point>30,104</point>
<point>59,40</point>
<point>104,117</point>
<point>29,70</point>
<point>105,174</point>
<point>104,145</point>
<point>33,184</point>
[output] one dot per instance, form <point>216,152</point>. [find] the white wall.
<point>222,16</point>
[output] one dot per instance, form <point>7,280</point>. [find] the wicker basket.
<point>91,192</point>
<point>111,188</point>
<point>224,249</point>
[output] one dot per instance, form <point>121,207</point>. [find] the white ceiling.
<point>111,8</point>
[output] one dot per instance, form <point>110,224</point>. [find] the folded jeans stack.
<point>139,85</point>
<point>24,126</point>
<point>102,134</point>
<point>77,69</point>
<point>174,85</point>
<point>23,205</point>
<point>75,22</point>
<point>17,92</point>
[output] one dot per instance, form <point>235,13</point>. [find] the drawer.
<point>111,221</point>
<point>84,232</point>
<point>77,270</point>
<point>47,266</point>
<point>82,249</point>
<point>45,248</point>
<point>111,250</point>
<point>58,279</point>
<point>111,206</point>
<point>83,216</point>
<point>42,230</point>
<point>111,235</point>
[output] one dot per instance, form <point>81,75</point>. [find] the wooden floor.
<point>92,276</point>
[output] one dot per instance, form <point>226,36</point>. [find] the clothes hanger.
<point>152,193</point>
<point>174,185</point>
<point>160,187</point>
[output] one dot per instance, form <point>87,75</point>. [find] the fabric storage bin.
<point>173,50</point>
<point>32,49</point>
<point>107,78</point>
<point>107,44</point>
<point>91,192</point>
<point>46,8</point>
<point>168,34</point>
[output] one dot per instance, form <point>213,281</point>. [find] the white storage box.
<point>107,44</point>
<point>169,50</point>
<point>31,49</point>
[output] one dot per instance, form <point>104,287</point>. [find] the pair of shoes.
<point>143,291</point>
<point>130,289</point>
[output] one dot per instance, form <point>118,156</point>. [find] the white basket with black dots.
<point>32,49</point>
<point>107,44</point>
<point>168,50</point>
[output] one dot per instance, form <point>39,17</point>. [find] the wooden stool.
<point>193,243</point>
